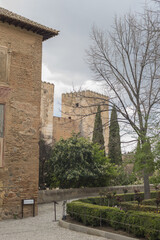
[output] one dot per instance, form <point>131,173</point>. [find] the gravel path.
<point>41,227</point>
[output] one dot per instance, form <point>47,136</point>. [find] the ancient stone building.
<point>64,128</point>
<point>20,97</point>
<point>78,114</point>
<point>47,97</point>
<point>53,128</point>
<point>82,108</point>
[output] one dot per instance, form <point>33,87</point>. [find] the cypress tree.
<point>98,129</point>
<point>114,146</point>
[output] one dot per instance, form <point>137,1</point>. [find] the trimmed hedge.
<point>90,214</point>
<point>134,206</point>
<point>141,224</point>
<point>124,197</point>
<point>149,202</point>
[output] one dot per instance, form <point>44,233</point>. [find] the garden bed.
<point>137,222</point>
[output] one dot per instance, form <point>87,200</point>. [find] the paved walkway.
<point>40,227</point>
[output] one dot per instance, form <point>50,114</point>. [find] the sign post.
<point>28,202</point>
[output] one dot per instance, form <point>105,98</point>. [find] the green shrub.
<point>141,224</point>
<point>134,206</point>
<point>90,214</point>
<point>99,201</point>
<point>77,162</point>
<point>127,198</point>
<point>149,202</point>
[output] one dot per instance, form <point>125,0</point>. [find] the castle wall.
<point>20,96</point>
<point>63,128</point>
<point>82,107</point>
<point>47,96</point>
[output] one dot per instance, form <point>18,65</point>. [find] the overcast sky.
<point>63,61</point>
<point>64,56</point>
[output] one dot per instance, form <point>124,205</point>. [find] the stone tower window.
<point>77,104</point>
<point>1,132</point>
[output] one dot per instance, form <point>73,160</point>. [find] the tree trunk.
<point>146,186</point>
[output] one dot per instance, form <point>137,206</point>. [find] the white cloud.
<point>63,56</point>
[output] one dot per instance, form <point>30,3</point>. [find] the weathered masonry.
<point>78,115</point>
<point>82,108</point>
<point>20,98</point>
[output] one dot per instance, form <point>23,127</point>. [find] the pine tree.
<point>98,129</point>
<point>114,145</point>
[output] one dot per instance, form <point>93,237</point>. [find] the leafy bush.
<point>123,178</point>
<point>149,202</point>
<point>155,178</point>
<point>77,162</point>
<point>90,214</point>
<point>134,206</point>
<point>142,224</point>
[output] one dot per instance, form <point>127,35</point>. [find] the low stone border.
<point>92,231</point>
<point>47,196</point>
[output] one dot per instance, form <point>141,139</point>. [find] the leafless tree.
<point>127,60</point>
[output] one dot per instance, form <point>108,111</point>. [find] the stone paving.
<point>41,227</point>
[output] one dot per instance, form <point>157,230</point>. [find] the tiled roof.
<point>22,22</point>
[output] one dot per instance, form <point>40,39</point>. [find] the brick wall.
<point>20,91</point>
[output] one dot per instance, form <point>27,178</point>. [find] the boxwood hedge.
<point>128,197</point>
<point>124,197</point>
<point>141,224</point>
<point>134,206</point>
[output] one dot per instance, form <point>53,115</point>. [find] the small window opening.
<point>77,104</point>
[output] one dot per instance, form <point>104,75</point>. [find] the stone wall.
<point>46,196</point>
<point>82,107</point>
<point>63,128</point>
<point>78,115</point>
<point>20,93</point>
<point>47,101</point>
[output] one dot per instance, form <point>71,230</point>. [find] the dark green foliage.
<point>155,178</point>
<point>114,145</point>
<point>98,129</point>
<point>44,170</point>
<point>157,153</point>
<point>144,159</point>
<point>144,163</point>
<point>122,178</point>
<point>77,162</point>
<point>94,215</point>
<point>127,197</point>
<point>149,202</point>
<point>138,207</point>
<point>141,224</point>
